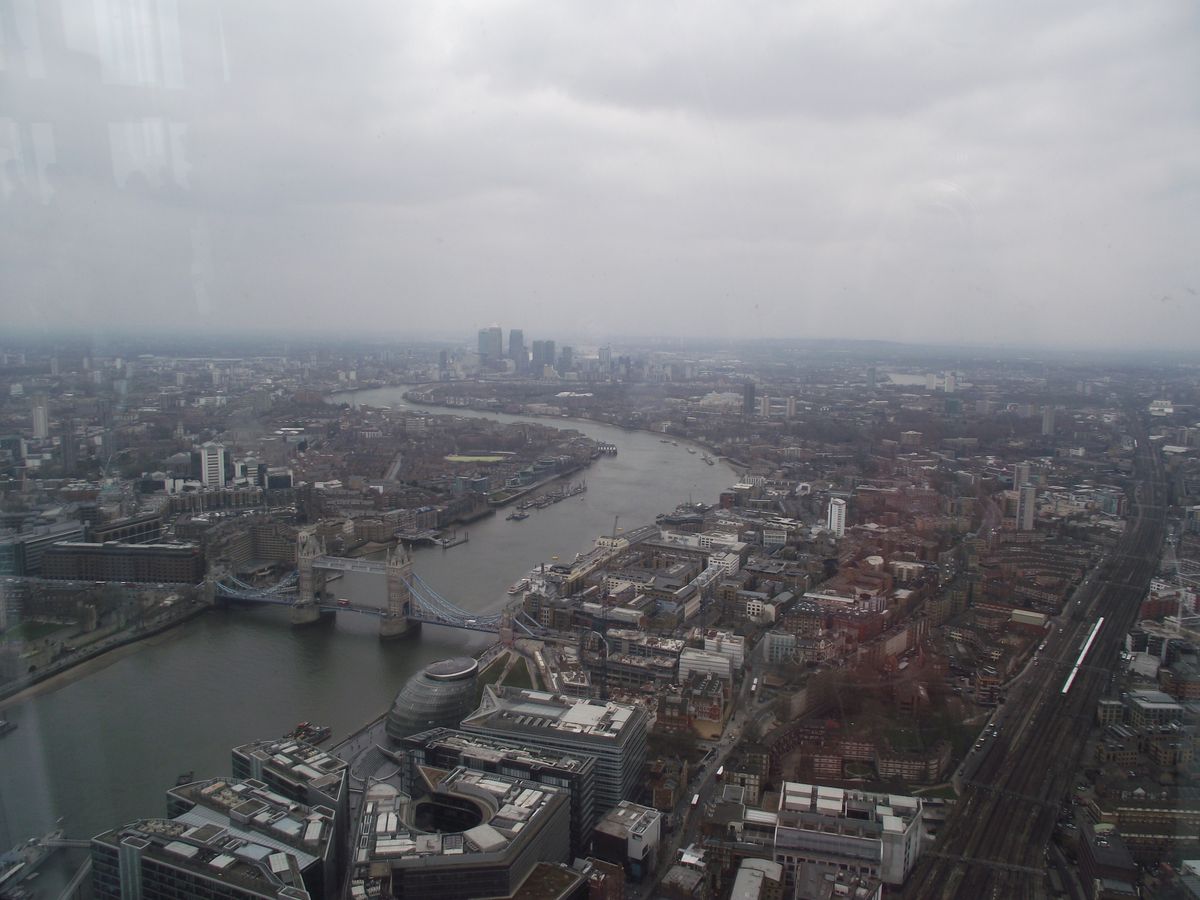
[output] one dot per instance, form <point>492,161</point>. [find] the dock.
<point>453,541</point>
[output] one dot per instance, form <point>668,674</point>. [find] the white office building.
<point>613,733</point>
<point>728,644</point>
<point>41,419</point>
<point>836,518</point>
<point>212,464</point>
<point>853,831</point>
<point>705,662</point>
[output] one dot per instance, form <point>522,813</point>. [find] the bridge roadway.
<point>342,564</point>
<point>994,844</point>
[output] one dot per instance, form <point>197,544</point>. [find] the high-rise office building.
<point>41,418</point>
<point>836,518</point>
<point>1021,475</point>
<point>212,464</point>
<point>1026,507</point>
<point>748,399</point>
<point>516,348</point>
<point>872,378</point>
<point>491,343</point>
<point>543,355</point>
<point>70,447</point>
<point>566,360</point>
<point>1047,421</point>
<point>613,733</point>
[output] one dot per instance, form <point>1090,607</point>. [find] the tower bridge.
<point>410,602</point>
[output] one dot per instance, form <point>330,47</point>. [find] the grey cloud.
<point>947,171</point>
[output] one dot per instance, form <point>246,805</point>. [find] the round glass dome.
<point>439,696</point>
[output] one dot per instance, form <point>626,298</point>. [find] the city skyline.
<point>665,608</point>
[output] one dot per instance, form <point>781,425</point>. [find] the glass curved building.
<point>440,695</point>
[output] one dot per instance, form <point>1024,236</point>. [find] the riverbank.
<point>354,743</point>
<point>531,488</point>
<point>91,660</point>
<point>739,466</point>
<point>225,679</point>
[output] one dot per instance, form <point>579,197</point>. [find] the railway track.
<point>994,844</point>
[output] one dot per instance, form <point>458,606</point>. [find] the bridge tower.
<point>396,622</point>
<point>311,581</point>
<point>215,575</point>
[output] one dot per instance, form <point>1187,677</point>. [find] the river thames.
<point>101,749</point>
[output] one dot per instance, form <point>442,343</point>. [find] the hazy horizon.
<point>902,354</point>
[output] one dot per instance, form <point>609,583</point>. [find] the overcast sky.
<point>1003,171</point>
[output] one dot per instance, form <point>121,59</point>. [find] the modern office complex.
<point>226,839</point>
<point>516,348</point>
<point>444,748</point>
<point>466,835</point>
<point>301,773</point>
<point>615,734</point>
<point>22,554</point>
<point>297,770</point>
<point>491,343</point>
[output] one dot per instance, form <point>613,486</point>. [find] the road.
<point>689,820</point>
<point>995,842</point>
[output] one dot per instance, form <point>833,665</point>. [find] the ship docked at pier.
<point>21,862</point>
<point>310,733</point>
<point>549,498</point>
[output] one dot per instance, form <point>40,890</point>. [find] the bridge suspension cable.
<point>427,604</point>
<point>431,602</point>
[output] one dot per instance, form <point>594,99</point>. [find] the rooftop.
<point>548,881</point>
<point>251,809</point>
<point>818,807</point>
<point>483,747</point>
<point>508,809</point>
<point>453,669</point>
<point>228,854</point>
<point>627,818</point>
<point>525,711</point>
<point>295,760</point>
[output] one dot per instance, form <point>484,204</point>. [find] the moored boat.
<point>310,733</point>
